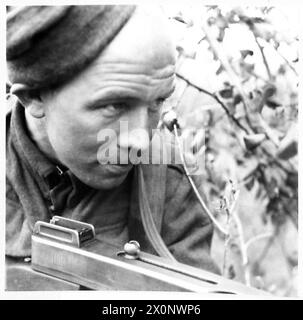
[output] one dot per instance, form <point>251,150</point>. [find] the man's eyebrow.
<point>110,95</point>
<point>118,94</point>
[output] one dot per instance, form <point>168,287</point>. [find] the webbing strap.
<point>147,220</point>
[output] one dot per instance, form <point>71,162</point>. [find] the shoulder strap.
<point>151,207</point>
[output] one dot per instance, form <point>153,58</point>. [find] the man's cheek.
<point>107,147</point>
<point>66,144</point>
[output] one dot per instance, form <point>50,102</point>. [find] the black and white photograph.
<point>152,148</point>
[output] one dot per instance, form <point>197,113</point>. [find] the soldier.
<point>76,70</point>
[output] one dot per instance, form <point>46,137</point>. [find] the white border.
<point>92,295</point>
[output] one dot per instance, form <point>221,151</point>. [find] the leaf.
<point>221,22</point>
<point>278,217</point>
<point>221,35</point>
<point>292,180</point>
<point>226,93</point>
<point>220,69</point>
<point>179,19</point>
<point>180,49</point>
<point>211,7</point>
<point>245,53</point>
<point>253,140</point>
<point>237,99</point>
<point>211,21</point>
<point>269,91</point>
<point>250,183</point>
<point>282,69</point>
<point>248,67</point>
<point>272,104</point>
<point>272,189</point>
<point>289,145</point>
<point>288,151</point>
<point>259,192</point>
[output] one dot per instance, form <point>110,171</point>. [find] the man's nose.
<point>136,131</point>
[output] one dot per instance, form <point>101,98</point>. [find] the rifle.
<point>67,256</point>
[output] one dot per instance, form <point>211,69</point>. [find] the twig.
<point>268,131</point>
<point>287,62</point>
<point>215,97</point>
<point>202,203</point>
<point>214,45</point>
<point>236,121</point>
<point>241,242</point>
<point>226,240</point>
<point>264,58</point>
<point>250,174</point>
<point>262,53</point>
<point>226,65</point>
<point>257,76</point>
<point>232,214</point>
<point>278,163</point>
<point>257,238</point>
<point>266,247</point>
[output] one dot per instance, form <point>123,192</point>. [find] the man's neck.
<point>37,132</point>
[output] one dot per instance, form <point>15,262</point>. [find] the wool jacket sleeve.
<point>186,228</point>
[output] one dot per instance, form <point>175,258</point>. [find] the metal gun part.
<point>68,250</point>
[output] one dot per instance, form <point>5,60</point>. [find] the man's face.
<point>128,83</point>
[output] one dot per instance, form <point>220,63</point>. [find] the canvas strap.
<point>156,192</point>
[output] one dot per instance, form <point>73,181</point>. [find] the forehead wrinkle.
<point>147,90</point>
<point>137,79</point>
<point>134,67</point>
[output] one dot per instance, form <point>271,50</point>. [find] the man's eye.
<point>115,108</point>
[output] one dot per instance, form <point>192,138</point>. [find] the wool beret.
<point>47,45</point>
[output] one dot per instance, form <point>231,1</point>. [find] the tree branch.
<point>217,50</point>
<point>196,191</point>
<point>215,97</point>
<point>236,121</point>
<point>287,62</point>
<point>262,53</point>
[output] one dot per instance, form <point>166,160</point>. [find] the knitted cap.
<point>47,45</point>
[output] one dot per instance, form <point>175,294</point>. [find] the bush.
<point>237,80</point>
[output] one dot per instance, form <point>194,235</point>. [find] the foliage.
<point>238,81</point>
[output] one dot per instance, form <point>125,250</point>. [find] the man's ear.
<point>29,98</point>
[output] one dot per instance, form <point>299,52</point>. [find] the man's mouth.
<point>118,169</point>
